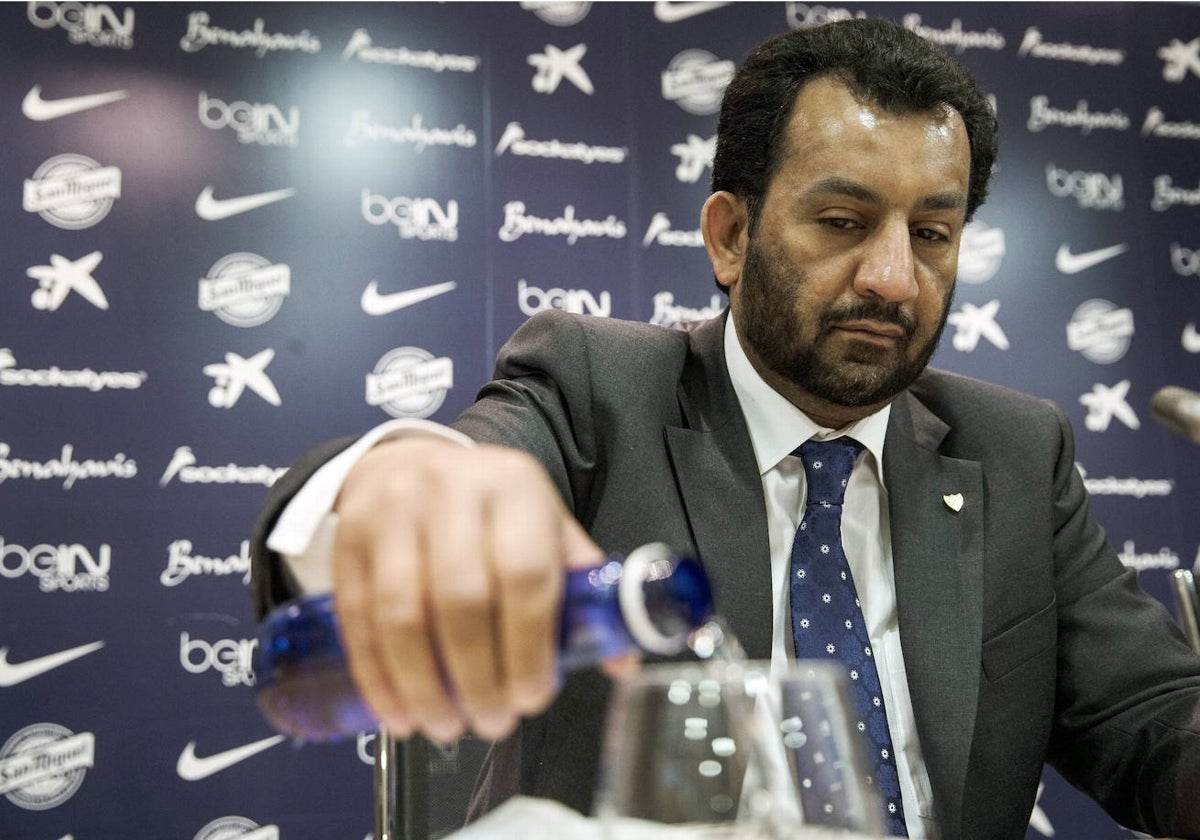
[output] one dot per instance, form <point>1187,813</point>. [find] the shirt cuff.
<point>304,532</point>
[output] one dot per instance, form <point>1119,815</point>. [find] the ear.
<point>725,226</point>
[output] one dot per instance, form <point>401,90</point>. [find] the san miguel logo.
<point>410,382</point>
<point>244,289</point>
<point>72,191</point>
<point>43,765</point>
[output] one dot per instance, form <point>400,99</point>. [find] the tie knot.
<point>827,467</point>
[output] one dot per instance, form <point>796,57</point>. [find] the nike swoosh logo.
<point>214,209</point>
<point>192,768</point>
<point>1191,339</point>
<point>374,303</point>
<point>1069,263</point>
<point>669,12</point>
<point>40,110</point>
<point>12,674</point>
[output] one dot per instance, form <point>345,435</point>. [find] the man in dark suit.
<point>848,161</point>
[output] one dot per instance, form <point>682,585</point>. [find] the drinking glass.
<point>732,750</point>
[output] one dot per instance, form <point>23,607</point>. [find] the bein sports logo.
<point>533,300</point>
<point>1091,190</point>
<point>233,659</point>
<point>259,123</point>
<point>85,23</point>
<point>414,218</point>
<point>72,191</point>
<point>66,567</point>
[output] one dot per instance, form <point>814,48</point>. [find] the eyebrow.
<point>835,185</point>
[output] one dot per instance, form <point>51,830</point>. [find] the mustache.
<point>884,312</point>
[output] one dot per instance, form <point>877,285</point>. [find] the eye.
<point>930,234</point>
<point>840,223</point>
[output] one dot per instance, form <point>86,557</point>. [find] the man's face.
<point>846,283</point>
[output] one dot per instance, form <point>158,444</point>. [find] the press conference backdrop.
<point>233,230</point>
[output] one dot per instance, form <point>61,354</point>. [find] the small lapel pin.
<point>954,501</point>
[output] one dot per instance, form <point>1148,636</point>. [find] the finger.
<point>462,590</point>
<point>578,549</point>
<point>359,636</point>
<point>622,665</point>
<point>527,537</point>
<point>400,609</point>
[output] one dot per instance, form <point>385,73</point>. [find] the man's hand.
<point>448,573</point>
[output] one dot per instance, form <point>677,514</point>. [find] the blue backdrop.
<point>233,230</point>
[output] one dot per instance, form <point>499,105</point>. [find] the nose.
<point>887,268</point>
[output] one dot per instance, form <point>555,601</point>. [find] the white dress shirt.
<point>304,536</point>
<point>777,428</point>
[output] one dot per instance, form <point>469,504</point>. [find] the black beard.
<point>867,375</point>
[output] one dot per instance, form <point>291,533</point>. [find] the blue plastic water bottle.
<point>648,602</point>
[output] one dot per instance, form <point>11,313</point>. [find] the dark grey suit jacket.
<point>1025,639</point>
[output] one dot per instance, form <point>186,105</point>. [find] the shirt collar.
<point>777,426</point>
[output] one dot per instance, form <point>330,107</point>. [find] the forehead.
<point>833,133</point>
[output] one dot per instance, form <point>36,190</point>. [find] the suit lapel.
<point>718,481</point>
<point>937,558</point>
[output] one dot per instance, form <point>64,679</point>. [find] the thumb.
<point>579,551</point>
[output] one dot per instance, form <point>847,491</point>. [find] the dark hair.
<point>880,61</point>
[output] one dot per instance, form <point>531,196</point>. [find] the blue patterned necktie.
<point>827,620</point>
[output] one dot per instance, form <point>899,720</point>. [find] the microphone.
<point>1178,409</point>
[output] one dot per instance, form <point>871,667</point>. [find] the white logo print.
<point>58,568</point>
<point>420,137</point>
<point>254,122</point>
<point>1091,190</point>
<point>410,382</point>
<point>1156,124</point>
<point>1069,263</point>
<point>201,33</point>
<point>245,290</point>
<point>183,464</point>
<point>232,658</point>
<point>1104,403</point>
<point>56,377</point>
<point>1178,58</point>
<point>214,209</point>
<point>980,253</point>
<point>360,47</point>
<point>41,766</point>
<point>554,65</point>
<point>1083,53</point>
<point>1137,488</point>
<point>39,110</point>
<point>1041,116</point>
<point>237,374</point>
<point>517,223</point>
<point>63,276</point>
<point>238,828</point>
<point>1100,331</point>
<point>803,16</point>
<point>86,23</point>
<point>1039,821</point>
<point>373,303</point>
<point>182,564</point>
<point>1164,558</point>
<point>72,191</point>
<point>660,232</point>
<point>558,13</point>
<point>193,768</point>
<point>1167,195</point>
<point>974,322</point>
<point>532,300</point>
<point>14,673</point>
<point>514,139</point>
<point>414,218</point>
<point>672,12</point>
<point>667,313</point>
<point>957,37</point>
<point>695,80</point>
<point>1191,338</point>
<point>65,467</point>
<point>695,155</point>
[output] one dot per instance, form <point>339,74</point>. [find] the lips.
<point>873,329</point>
